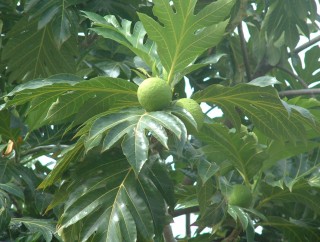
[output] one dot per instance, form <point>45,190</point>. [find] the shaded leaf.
<point>31,54</point>
<point>113,207</point>
<point>293,230</point>
<point>45,227</point>
<point>242,151</point>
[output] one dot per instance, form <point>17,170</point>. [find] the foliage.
<point>81,160</point>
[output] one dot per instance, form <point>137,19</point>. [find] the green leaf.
<point>309,73</point>
<point>12,189</point>
<point>301,192</point>
<point>4,218</point>
<point>241,150</point>
<point>59,97</point>
<point>73,153</point>
<point>133,125</point>
<point>260,104</point>
<point>238,213</point>
<point>58,13</point>
<point>293,230</point>
<point>110,28</point>
<point>8,130</point>
<point>207,169</point>
<point>181,36</point>
<point>264,81</point>
<point>46,227</point>
<point>31,53</point>
<point>114,203</point>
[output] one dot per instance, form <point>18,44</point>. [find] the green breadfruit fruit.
<point>154,94</point>
<point>195,110</point>
<point>240,195</point>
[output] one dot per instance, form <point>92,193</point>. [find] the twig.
<point>310,92</point>
<point>182,211</point>
<point>167,234</point>
<point>293,75</point>
<point>244,52</point>
<point>233,236</point>
<point>307,45</point>
<point>188,223</point>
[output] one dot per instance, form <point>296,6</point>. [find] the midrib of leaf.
<point>284,193</point>
<point>121,186</point>
<point>264,106</point>
<point>39,52</point>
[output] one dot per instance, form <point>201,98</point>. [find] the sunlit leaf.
<point>181,36</point>
<point>260,104</point>
<point>131,37</point>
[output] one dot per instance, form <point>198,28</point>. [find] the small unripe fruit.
<point>154,94</point>
<point>240,195</point>
<point>195,110</point>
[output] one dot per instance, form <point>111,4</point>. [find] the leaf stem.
<point>293,75</point>
<point>244,51</point>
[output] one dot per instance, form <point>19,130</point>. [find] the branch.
<point>233,236</point>
<point>244,52</point>
<point>306,45</point>
<point>167,234</point>
<point>298,92</point>
<point>293,75</point>
<point>183,211</point>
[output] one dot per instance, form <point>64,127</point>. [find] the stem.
<point>167,234</point>
<point>188,229</point>
<point>310,92</point>
<point>307,45</point>
<point>244,52</point>
<point>293,75</point>
<point>233,236</point>
<point>44,147</point>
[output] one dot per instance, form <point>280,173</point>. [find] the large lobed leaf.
<point>133,125</point>
<point>57,98</point>
<point>181,35</point>
<point>262,106</point>
<point>58,13</point>
<point>127,34</point>
<point>112,204</point>
<point>31,53</point>
<point>227,148</point>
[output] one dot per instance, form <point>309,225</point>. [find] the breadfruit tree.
<point>118,116</point>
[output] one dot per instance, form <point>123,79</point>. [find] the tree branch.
<point>244,52</point>
<point>306,45</point>
<point>167,234</point>
<point>298,92</point>
<point>183,211</point>
<point>233,236</point>
<point>293,75</point>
